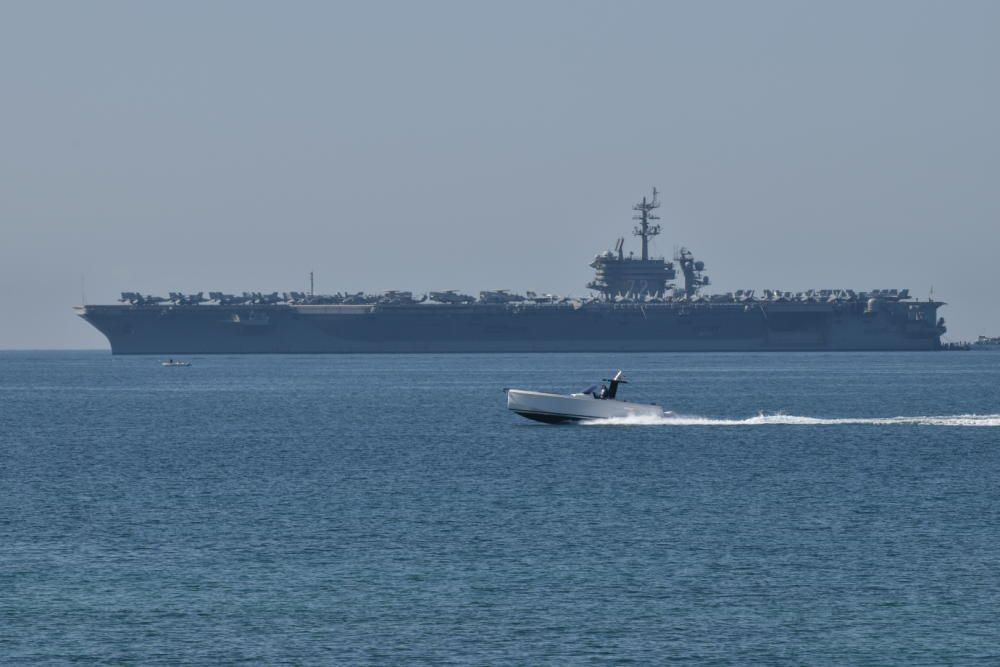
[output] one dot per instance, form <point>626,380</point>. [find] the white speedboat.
<point>591,403</point>
<point>171,362</point>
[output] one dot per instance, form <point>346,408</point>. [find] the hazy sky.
<point>236,146</point>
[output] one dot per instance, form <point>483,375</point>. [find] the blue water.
<point>388,510</point>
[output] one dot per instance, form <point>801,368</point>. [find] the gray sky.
<point>236,146</point>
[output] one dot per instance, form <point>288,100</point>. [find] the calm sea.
<point>821,509</point>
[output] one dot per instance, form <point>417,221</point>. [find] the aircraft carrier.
<point>636,304</point>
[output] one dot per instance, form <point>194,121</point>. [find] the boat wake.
<point>795,420</point>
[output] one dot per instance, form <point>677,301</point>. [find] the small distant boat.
<point>591,403</point>
<point>990,343</point>
<point>172,363</point>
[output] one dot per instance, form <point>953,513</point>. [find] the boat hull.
<point>559,408</point>
<point>437,328</point>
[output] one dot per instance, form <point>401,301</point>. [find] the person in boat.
<point>603,393</point>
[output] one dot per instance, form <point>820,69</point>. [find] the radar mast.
<point>644,215</point>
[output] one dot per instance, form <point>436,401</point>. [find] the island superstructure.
<point>635,305</point>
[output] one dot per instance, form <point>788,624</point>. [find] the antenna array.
<point>644,215</point>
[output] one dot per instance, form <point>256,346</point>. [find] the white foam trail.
<point>794,420</point>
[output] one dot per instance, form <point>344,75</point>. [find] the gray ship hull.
<point>591,327</point>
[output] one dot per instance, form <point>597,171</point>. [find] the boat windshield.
<point>590,390</point>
